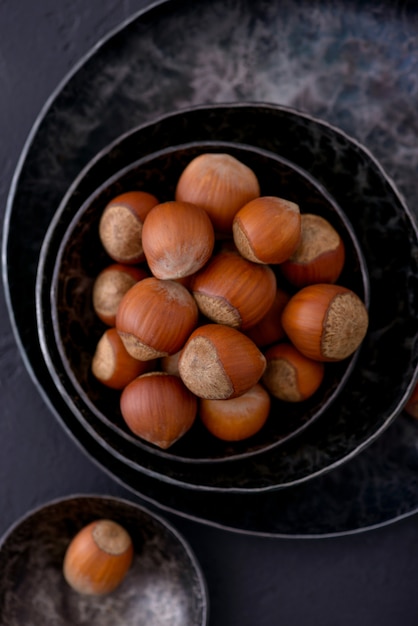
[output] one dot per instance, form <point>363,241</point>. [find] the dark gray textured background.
<point>368,578</point>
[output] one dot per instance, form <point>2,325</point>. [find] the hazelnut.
<point>158,408</point>
<point>120,227</point>
<point>237,418</point>
<point>110,286</point>
<point>320,255</point>
<point>219,362</point>
<point>155,317</point>
<point>290,376</point>
<point>325,322</point>
<point>267,229</point>
<point>219,183</point>
<point>269,329</point>
<point>98,558</point>
<point>233,291</point>
<point>177,238</point>
<point>112,365</point>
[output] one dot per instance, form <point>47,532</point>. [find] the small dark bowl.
<point>80,256</point>
<point>164,586</point>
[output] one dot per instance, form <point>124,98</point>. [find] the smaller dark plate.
<point>73,244</point>
<point>164,586</point>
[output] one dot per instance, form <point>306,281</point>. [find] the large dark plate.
<point>354,64</point>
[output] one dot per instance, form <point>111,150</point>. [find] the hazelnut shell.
<point>112,365</point>
<point>325,322</point>
<point>290,376</point>
<point>98,558</point>
<point>120,227</point>
<point>177,238</point>
<point>320,255</point>
<point>237,418</point>
<point>267,229</point>
<point>155,318</point>
<point>219,183</point>
<point>158,408</point>
<point>219,362</point>
<point>234,291</point>
<point>110,286</point>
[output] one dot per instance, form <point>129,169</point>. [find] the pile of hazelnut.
<point>198,324</point>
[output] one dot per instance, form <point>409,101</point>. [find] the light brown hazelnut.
<point>112,365</point>
<point>158,408</point>
<point>219,183</point>
<point>320,255</point>
<point>325,322</point>
<point>233,291</point>
<point>98,558</point>
<point>120,227</point>
<point>237,418</point>
<point>267,229</point>
<point>110,286</point>
<point>219,362</point>
<point>155,318</point>
<point>177,238</point>
<point>290,376</point>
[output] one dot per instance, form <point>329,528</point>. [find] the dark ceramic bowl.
<point>79,257</point>
<point>163,587</point>
<point>380,382</point>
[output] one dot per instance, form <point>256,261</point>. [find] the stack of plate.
<point>362,394</point>
<point>283,490</point>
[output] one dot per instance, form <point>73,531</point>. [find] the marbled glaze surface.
<point>163,587</point>
<point>355,65</point>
